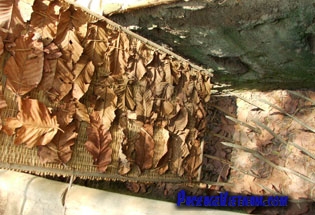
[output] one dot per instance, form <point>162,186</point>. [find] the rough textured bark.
<point>249,43</point>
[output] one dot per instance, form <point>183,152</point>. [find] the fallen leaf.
<point>65,112</point>
<point>62,83</point>
<point>95,44</point>
<point>107,105</point>
<point>80,21</point>
<point>98,143</point>
<point>83,72</point>
<point>144,104</point>
<point>81,112</point>
<point>124,94</point>
<point>14,15</point>
<point>67,39</point>
<point>117,55</point>
<point>51,55</point>
<point>59,149</point>
<point>180,121</point>
<point>179,150</point>
<point>144,147</point>
<point>160,146</point>
<point>193,161</point>
<point>1,46</point>
<point>24,69</point>
<point>45,19</point>
<point>34,124</point>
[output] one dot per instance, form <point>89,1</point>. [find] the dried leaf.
<point>144,147</point>
<point>67,39</point>
<point>116,57</point>
<point>1,46</point>
<point>81,112</point>
<point>108,103</point>
<point>13,15</point>
<point>179,151</point>
<point>51,55</point>
<point>65,112</point>
<point>167,108</point>
<point>83,73</point>
<point>160,147</point>
<point>140,70</point>
<point>34,124</point>
<point>98,143</point>
<point>62,83</point>
<point>80,21</point>
<point>59,149</point>
<point>96,43</point>
<point>144,103</point>
<point>45,19</point>
<point>24,69</point>
<point>180,121</point>
<point>193,160</point>
<point>124,95</point>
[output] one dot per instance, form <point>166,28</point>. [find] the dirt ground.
<point>276,126</point>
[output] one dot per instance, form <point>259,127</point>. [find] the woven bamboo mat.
<point>18,157</point>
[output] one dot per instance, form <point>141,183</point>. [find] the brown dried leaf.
<point>107,105</point>
<point>35,125</point>
<point>24,69</point>
<point>144,147</point>
<point>62,83</point>
<point>59,149</point>
<point>180,121</point>
<point>144,103</point>
<point>124,95</point>
<point>179,151</point>
<point>96,43</point>
<point>98,143</point>
<point>51,55</point>
<point>81,112</point>
<point>80,21</point>
<point>117,55</point>
<point>65,112</point>
<point>83,72</point>
<point>1,46</point>
<point>45,19</point>
<point>160,147</point>
<point>14,14</point>
<point>167,108</point>
<point>193,161</point>
<point>67,39</point>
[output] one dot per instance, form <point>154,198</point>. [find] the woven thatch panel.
<point>84,96</point>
